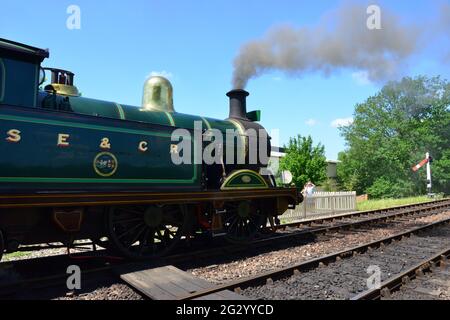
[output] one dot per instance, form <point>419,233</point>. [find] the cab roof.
<point>20,51</point>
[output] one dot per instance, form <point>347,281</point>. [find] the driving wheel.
<point>146,231</point>
<point>242,221</point>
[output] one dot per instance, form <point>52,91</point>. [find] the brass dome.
<point>158,95</point>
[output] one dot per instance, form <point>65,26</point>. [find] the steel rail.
<point>304,233</point>
<point>394,283</point>
<point>273,275</point>
<point>362,213</point>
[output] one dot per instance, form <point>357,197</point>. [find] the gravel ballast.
<point>346,278</point>
<point>250,266</point>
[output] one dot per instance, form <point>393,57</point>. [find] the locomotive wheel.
<point>103,241</point>
<point>140,232</point>
<point>242,221</point>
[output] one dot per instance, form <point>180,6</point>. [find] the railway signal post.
<point>428,159</point>
<point>428,173</point>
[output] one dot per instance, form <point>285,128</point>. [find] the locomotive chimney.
<point>238,104</point>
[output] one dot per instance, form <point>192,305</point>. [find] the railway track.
<point>344,274</point>
<point>327,223</point>
<point>304,231</point>
<point>359,217</point>
<point>297,232</point>
<point>428,280</point>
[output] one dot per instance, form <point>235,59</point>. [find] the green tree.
<point>305,161</point>
<point>391,132</point>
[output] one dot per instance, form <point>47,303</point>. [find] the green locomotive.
<point>131,178</point>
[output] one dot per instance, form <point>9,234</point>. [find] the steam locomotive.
<point>134,179</point>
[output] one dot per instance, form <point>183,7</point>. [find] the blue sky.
<point>121,42</point>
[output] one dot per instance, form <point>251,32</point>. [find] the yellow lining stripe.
<point>241,130</point>
<point>263,185</point>
<point>238,125</point>
<point>169,116</point>
<point>207,123</point>
<point>120,109</point>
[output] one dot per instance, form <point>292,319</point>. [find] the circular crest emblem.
<point>105,164</point>
<point>246,179</point>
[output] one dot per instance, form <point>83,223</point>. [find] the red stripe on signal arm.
<point>420,165</point>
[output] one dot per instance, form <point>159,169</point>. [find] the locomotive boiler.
<point>133,179</point>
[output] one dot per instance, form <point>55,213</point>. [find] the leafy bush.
<point>391,132</point>
<point>383,188</point>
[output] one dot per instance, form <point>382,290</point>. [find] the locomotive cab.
<point>19,73</point>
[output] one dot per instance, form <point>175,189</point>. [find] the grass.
<point>386,203</point>
<point>15,255</point>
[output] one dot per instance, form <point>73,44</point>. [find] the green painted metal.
<point>77,166</point>
<point>95,107</point>
<point>206,123</point>
<point>244,179</point>
<point>80,125</point>
<point>114,110</point>
<point>254,115</point>
<point>16,46</point>
<point>133,113</point>
<point>37,158</point>
<point>22,52</point>
<point>40,159</point>
<point>120,110</point>
<point>19,84</point>
<point>36,84</point>
<point>2,80</point>
<point>169,116</point>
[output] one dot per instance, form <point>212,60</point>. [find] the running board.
<point>108,199</point>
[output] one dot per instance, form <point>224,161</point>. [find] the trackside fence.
<point>321,204</point>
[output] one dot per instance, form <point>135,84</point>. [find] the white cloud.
<point>361,78</point>
<point>311,122</point>
<point>276,78</point>
<point>162,73</point>
<point>341,122</point>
